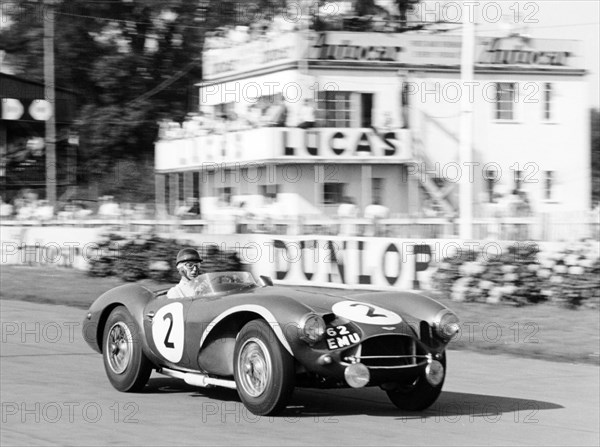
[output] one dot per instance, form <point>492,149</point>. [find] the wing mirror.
<point>266,280</point>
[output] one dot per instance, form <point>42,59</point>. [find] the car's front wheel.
<point>126,366</point>
<point>263,369</point>
<point>418,394</point>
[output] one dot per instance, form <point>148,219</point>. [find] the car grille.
<point>386,352</point>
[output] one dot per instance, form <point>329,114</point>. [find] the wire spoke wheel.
<point>119,347</point>
<point>126,366</point>
<point>255,366</point>
<point>263,369</point>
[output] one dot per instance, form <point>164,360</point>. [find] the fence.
<point>543,227</point>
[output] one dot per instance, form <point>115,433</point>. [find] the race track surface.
<point>54,392</point>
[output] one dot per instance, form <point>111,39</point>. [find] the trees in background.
<point>595,161</point>
<point>132,63</point>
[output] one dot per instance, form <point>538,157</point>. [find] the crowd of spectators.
<point>28,206</point>
<point>344,18</point>
<point>268,111</point>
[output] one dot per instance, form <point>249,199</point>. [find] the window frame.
<point>338,193</point>
<point>342,109</point>
<point>548,185</point>
<point>512,101</point>
<point>549,109</point>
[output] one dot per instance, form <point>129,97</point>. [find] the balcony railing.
<point>538,228</point>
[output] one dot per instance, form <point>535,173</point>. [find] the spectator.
<point>307,114</point>
<point>346,212</point>
<point>243,214</point>
<point>195,206</point>
<point>277,114</point>
<point>523,206</point>
<point>375,212</point>
<point>43,210</point>
<point>255,115</point>
<point>109,208</point>
<point>81,211</point>
<point>185,208</point>
<point>6,209</point>
<point>347,208</point>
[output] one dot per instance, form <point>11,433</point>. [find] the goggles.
<point>190,264</point>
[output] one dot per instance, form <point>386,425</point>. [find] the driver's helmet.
<point>187,254</point>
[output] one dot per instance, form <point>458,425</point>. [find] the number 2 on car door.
<point>168,331</point>
<point>169,317</point>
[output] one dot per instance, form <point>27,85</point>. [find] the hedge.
<point>569,276</point>
<point>136,257</point>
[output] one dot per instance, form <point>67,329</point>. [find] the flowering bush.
<point>136,257</point>
<point>521,275</point>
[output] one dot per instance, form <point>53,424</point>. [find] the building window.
<point>548,100</point>
<point>377,190</point>
<point>333,193</point>
<point>225,194</point>
<point>490,181</point>
<point>180,186</point>
<point>167,200</point>
<point>196,185</point>
<point>518,180</point>
<point>548,184</point>
<point>505,100</point>
<point>269,190</point>
<point>333,109</point>
<point>225,110</point>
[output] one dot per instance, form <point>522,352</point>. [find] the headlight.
<point>446,324</point>
<point>312,328</point>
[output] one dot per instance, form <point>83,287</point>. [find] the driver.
<point>188,265</point>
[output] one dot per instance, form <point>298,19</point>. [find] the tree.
<point>595,137</point>
<point>369,7</point>
<point>132,63</point>
<point>404,7</point>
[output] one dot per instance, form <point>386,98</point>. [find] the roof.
<point>12,86</point>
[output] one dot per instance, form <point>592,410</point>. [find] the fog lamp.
<point>434,373</point>
<point>357,375</point>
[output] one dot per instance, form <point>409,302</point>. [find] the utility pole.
<point>465,152</point>
<point>50,133</point>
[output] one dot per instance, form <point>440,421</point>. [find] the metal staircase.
<point>439,192</point>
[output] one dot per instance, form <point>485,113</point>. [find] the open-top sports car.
<point>264,340</point>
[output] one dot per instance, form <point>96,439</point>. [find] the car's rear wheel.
<point>418,394</point>
<point>263,369</point>
<point>126,366</point>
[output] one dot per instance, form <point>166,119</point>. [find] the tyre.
<point>263,369</point>
<point>126,366</point>
<point>419,394</point>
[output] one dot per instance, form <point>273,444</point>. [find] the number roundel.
<point>167,331</point>
<point>365,313</point>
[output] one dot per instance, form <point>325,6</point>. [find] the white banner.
<point>442,50</point>
<point>259,53</point>
<point>254,145</point>
<point>325,261</point>
<point>56,246</point>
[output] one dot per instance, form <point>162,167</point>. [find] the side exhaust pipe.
<point>197,379</point>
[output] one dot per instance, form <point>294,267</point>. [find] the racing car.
<point>263,340</point>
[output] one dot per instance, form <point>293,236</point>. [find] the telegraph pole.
<point>48,17</point>
<point>465,151</point>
